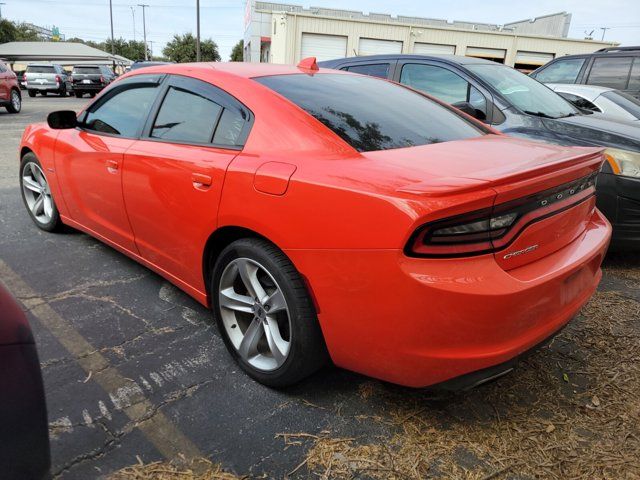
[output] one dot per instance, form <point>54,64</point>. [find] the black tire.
<point>63,92</point>
<point>78,93</point>
<point>32,93</point>
<point>55,224</point>
<point>92,94</point>
<point>43,93</point>
<point>11,108</point>
<point>307,351</point>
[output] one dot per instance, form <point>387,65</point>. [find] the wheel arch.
<point>24,151</point>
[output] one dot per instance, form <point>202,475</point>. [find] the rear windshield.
<point>41,69</point>
<point>372,114</point>
<point>87,70</point>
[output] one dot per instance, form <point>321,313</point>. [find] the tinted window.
<point>2,68</point>
<point>562,71</point>
<point>610,72</point>
<point>41,69</point>
<point>443,84</point>
<point>123,113</point>
<point>380,70</point>
<point>87,70</point>
<point>523,92</point>
<point>372,114</point>
<point>579,101</point>
<point>186,117</point>
<point>625,101</point>
<point>230,127</point>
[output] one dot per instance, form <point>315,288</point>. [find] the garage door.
<point>371,46</point>
<point>431,48</point>
<point>533,58</point>
<point>488,53</point>
<point>323,47</point>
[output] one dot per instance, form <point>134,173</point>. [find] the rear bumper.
<point>419,322</point>
<point>24,435</point>
<point>87,87</point>
<point>46,88</point>
<point>619,200</point>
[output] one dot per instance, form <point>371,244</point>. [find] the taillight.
<point>102,79</point>
<point>71,78</point>
<point>492,229</point>
<point>24,77</point>
<point>58,79</point>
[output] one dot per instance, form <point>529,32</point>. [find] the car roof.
<point>453,59</point>
<point>590,92</point>
<point>240,69</point>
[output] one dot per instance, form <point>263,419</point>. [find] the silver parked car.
<point>47,78</point>
<point>613,104</point>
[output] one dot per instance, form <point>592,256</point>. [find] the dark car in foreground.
<point>90,79</point>
<point>24,431</point>
<point>10,96</point>
<point>521,106</point>
<point>616,67</point>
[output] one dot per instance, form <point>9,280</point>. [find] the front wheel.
<point>32,93</point>
<point>265,314</point>
<point>36,195</point>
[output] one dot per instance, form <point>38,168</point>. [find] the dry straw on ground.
<point>180,469</point>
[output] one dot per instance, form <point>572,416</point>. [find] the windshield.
<point>624,101</point>
<point>523,92</point>
<point>372,114</point>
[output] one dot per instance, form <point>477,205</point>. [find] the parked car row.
<point>48,78</point>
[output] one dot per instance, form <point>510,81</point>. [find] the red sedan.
<point>326,215</point>
<point>10,96</point>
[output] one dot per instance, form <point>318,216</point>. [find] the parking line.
<point>155,426</point>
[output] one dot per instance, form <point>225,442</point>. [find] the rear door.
<point>611,71</point>
<point>174,174</point>
<point>89,159</point>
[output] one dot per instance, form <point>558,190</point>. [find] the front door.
<point>89,159</point>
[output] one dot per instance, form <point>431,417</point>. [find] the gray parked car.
<point>518,105</point>
<point>47,78</point>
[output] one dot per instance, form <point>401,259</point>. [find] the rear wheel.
<point>78,93</point>
<point>36,195</point>
<point>32,93</point>
<point>92,94</point>
<point>43,93</point>
<point>63,92</point>
<point>265,314</point>
<point>16,102</point>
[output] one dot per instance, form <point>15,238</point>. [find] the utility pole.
<point>133,14</point>
<point>1,3</point>
<point>144,30</point>
<point>111,16</point>
<point>197,30</point>
<point>604,30</point>
<point>151,48</point>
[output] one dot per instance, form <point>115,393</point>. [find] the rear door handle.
<point>201,181</point>
<point>112,166</point>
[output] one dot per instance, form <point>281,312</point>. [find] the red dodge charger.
<point>327,215</point>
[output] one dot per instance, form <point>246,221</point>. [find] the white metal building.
<point>283,33</point>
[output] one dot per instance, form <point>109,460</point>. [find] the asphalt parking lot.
<point>135,373</point>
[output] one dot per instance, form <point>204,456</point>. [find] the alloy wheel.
<point>255,314</point>
<point>37,193</point>
<point>15,100</point>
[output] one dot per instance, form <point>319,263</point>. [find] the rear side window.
<point>624,101</point>
<point>124,113</point>
<point>634,79</point>
<point>579,101</point>
<point>2,68</point>
<point>611,72</point>
<point>380,70</point>
<point>562,71</point>
<point>186,117</point>
<point>372,114</point>
<point>41,69</point>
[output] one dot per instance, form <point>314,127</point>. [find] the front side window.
<point>372,114</point>
<point>523,92</point>
<point>186,117</point>
<point>123,113</point>
<point>610,72</point>
<point>380,70</point>
<point>443,84</point>
<point>562,71</point>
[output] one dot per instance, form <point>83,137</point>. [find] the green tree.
<point>182,49</point>
<point>129,49</point>
<point>237,54</point>
<point>17,32</point>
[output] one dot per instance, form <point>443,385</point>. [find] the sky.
<point>222,20</point>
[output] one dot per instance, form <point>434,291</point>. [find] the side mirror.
<point>469,109</point>
<point>62,119</point>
